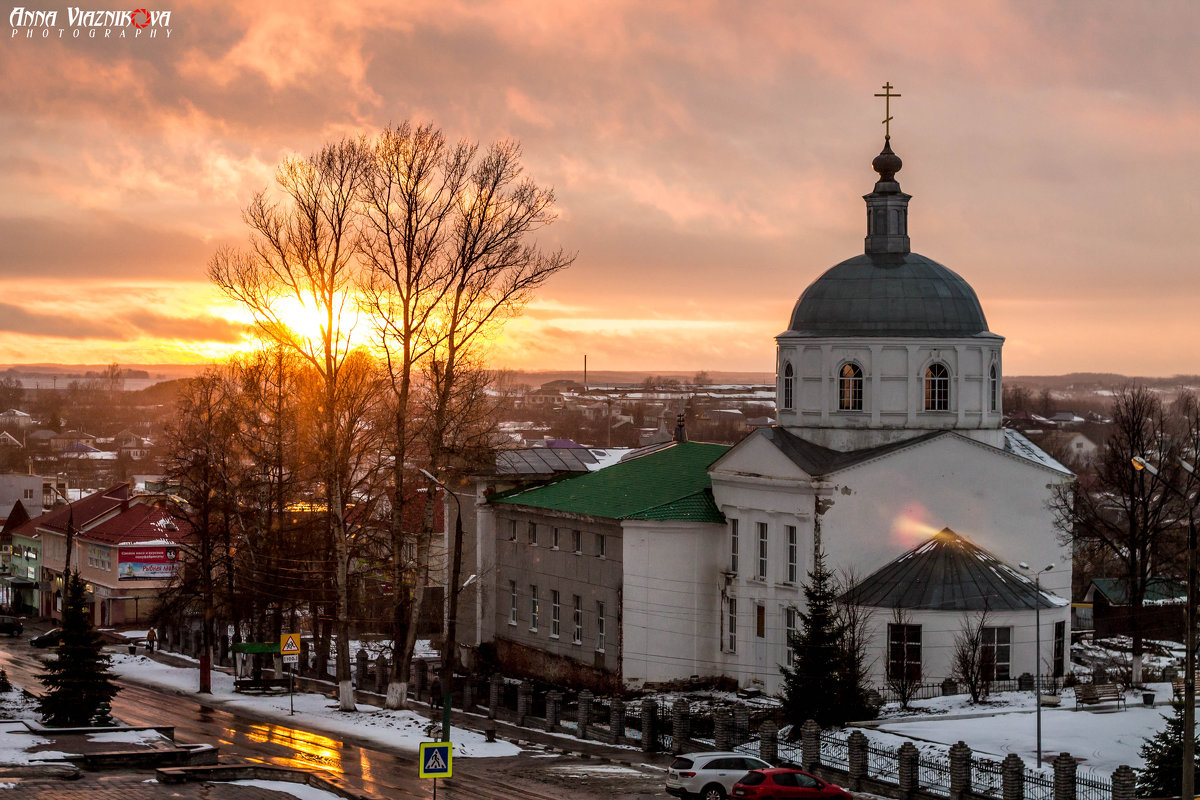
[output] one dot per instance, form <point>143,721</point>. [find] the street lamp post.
<point>1187,781</point>
<point>1037,649</point>
<point>451,609</point>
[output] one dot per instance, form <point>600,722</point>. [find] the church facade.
<point>889,434</point>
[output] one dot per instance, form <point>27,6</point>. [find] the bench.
<point>260,684</point>
<point>1090,694</point>
<point>1177,686</point>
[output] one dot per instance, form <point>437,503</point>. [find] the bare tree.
<point>973,663</point>
<point>448,235</point>
<point>904,682</point>
<point>1126,511</point>
<point>303,251</point>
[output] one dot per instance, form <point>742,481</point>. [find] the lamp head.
<point>1023,565</point>
<point>429,475</point>
<point>1140,464</point>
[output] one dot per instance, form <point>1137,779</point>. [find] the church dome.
<point>889,294</point>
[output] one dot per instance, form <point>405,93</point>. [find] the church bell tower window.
<point>937,388</point>
<point>850,388</point>
<point>789,386</point>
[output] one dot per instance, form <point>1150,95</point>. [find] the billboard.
<point>153,563</point>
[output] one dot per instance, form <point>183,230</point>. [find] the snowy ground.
<point>401,730</point>
<point>1103,737</point>
<point>16,744</point>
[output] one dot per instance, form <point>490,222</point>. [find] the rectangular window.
<point>555,613</point>
<point>512,602</point>
<point>1060,636</point>
<point>577,541</point>
<point>554,538</point>
<point>793,554</point>
<point>762,551</point>
<point>577,619</point>
<point>904,652</point>
<point>760,621</point>
<point>601,545</point>
<point>732,625</point>
<point>733,546</point>
<point>533,533</point>
<point>512,530</point>
<point>997,647</point>
<point>533,608</point>
<point>790,618</point>
<point>600,626</point>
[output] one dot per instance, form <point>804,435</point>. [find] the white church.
<point>889,454</point>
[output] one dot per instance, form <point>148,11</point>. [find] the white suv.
<point>710,776</point>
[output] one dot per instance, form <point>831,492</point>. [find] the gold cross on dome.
<point>887,108</point>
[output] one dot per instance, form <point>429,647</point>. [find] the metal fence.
<point>1090,786</point>
<point>882,762</point>
<point>1038,785</point>
<point>933,774</point>
<point>835,751</point>
<point>987,778</point>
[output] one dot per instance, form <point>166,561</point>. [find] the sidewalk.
<point>559,743</point>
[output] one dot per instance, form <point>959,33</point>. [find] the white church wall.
<point>671,600</point>
<point>997,501</point>
<point>940,629</point>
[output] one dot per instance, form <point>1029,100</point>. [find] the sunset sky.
<point>709,160</point>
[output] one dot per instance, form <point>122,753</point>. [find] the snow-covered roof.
<point>1017,444</point>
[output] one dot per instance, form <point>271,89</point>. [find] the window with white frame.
<point>577,619</point>
<point>733,546</point>
<point>555,614</point>
<point>554,538</point>
<point>937,387</point>
<point>996,653</point>
<point>577,541</point>
<point>601,546</point>
<point>600,626</point>
<point>512,530</point>
<point>533,608</point>
<point>904,652</point>
<point>761,574</point>
<point>789,386</point>
<point>98,558</point>
<point>512,602</point>
<point>850,388</point>
<point>732,622</point>
<point>533,533</point>
<point>793,554</point>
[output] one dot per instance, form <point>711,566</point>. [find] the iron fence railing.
<point>987,777</point>
<point>835,751</point>
<point>933,775</point>
<point>882,762</point>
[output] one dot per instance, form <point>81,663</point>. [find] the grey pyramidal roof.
<point>949,573</point>
<point>889,294</point>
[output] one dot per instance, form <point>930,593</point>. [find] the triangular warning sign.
<point>290,645</point>
<point>434,761</point>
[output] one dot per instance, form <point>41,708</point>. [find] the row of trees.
<point>407,252</point>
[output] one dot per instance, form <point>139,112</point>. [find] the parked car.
<point>782,783</point>
<point>710,776</point>
<point>50,638</point>
<point>12,626</point>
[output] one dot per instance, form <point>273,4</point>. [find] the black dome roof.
<point>889,294</point>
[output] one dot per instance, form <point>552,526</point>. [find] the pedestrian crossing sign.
<point>436,760</point>
<point>289,644</point>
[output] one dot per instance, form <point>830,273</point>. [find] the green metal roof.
<point>1158,590</point>
<point>668,484</point>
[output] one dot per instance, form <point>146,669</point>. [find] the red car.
<point>784,782</point>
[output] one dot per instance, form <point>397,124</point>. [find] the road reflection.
<point>311,750</point>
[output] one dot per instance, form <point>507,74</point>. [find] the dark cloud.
<point>189,329</point>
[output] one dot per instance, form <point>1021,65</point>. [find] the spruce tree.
<point>1163,755</point>
<point>79,686</point>
<point>809,690</point>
